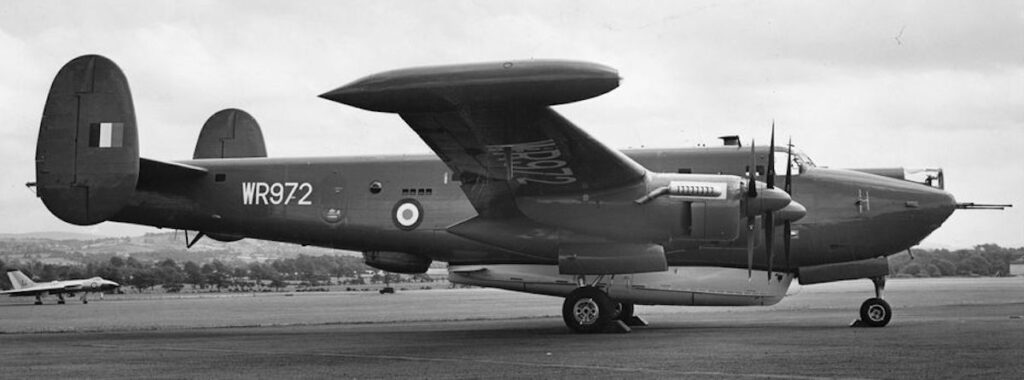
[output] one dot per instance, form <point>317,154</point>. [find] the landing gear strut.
<point>60,298</point>
<point>875,312</point>
<point>39,299</point>
<point>626,315</point>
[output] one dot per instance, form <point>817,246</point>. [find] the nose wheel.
<point>875,312</point>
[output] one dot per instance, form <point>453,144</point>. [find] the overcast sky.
<point>857,84</point>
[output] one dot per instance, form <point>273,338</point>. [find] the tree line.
<point>310,270</point>
<point>982,260</point>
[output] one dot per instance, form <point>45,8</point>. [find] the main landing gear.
<point>589,309</point>
<point>875,312</point>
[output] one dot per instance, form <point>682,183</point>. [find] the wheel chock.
<point>860,323</point>
<point>617,326</point>
<point>636,321</point>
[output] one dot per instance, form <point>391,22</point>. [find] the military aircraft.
<point>515,196</point>
<point>24,287</point>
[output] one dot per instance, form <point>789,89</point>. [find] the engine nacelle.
<point>666,206</point>
<point>397,262</point>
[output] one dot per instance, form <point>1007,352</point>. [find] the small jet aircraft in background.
<point>24,287</point>
<point>516,196</point>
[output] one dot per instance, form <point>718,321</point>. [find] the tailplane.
<point>19,280</point>
<point>87,155</point>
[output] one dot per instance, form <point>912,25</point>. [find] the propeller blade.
<point>788,187</point>
<point>750,247</point>
<point>787,228</point>
<point>752,172</point>
<point>771,160</point>
<point>787,231</point>
<point>769,217</point>
<point>769,235</point>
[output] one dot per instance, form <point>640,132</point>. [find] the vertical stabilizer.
<point>19,280</point>
<point>230,133</point>
<point>87,155</point>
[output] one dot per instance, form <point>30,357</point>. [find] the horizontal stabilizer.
<point>153,171</point>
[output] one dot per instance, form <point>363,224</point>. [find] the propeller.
<point>767,203</point>
<point>751,194</point>
<point>769,215</point>
<point>787,227</point>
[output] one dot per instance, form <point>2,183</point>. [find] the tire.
<point>588,310</point>
<point>875,312</point>
<point>624,311</point>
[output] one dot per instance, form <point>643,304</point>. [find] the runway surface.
<point>943,328</point>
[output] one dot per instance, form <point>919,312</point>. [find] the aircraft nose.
<point>935,205</point>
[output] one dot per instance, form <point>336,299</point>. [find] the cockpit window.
<point>804,160</point>
<point>800,162</point>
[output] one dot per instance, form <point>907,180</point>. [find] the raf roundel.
<point>407,214</point>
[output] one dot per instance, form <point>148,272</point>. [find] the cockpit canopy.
<point>800,161</point>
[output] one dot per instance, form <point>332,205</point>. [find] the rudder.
<point>87,155</point>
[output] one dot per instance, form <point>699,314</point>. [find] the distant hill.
<point>63,248</point>
<point>51,235</point>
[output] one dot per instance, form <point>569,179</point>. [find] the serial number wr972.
<point>276,193</point>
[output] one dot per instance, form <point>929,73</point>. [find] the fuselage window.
<point>375,187</point>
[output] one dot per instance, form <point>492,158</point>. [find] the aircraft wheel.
<point>587,310</point>
<point>875,312</point>
<point>624,311</point>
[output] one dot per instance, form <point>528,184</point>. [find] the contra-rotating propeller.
<point>769,216</point>
<point>767,204</point>
<point>787,226</point>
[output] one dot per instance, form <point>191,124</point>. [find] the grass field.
<point>147,312</point>
<point>942,328</point>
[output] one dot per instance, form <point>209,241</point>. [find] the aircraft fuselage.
<point>351,203</point>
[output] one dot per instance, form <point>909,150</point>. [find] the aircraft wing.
<point>38,289</point>
<point>493,127</point>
